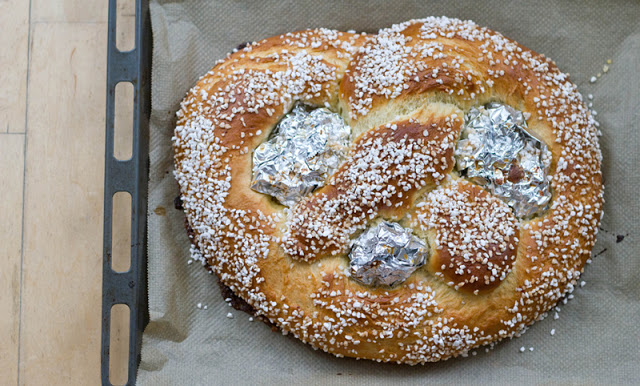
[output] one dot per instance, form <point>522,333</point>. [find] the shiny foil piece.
<point>306,148</point>
<point>386,255</point>
<point>498,153</point>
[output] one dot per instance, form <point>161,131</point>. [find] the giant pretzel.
<point>405,93</point>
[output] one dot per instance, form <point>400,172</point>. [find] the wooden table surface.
<point>52,119</point>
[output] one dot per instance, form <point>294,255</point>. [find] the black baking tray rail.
<point>132,175</point>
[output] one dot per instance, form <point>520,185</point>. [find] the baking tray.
<point>130,287</point>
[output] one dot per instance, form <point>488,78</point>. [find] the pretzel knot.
<point>405,93</point>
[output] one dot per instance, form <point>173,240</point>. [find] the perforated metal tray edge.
<point>131,176</point>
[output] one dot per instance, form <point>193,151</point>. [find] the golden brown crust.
<point>403,90</point>
<point>426,141</point>
<point>475,236</point>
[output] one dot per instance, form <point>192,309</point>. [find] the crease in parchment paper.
<point>596,333</point>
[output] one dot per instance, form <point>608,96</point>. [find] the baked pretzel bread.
<point>405,93</point>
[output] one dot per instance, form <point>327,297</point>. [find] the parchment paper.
<point>597,333</point>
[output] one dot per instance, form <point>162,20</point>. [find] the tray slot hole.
<point>119,345</point>
<point>121,232</point>
<point>123,123</point>
<point>126,25</point>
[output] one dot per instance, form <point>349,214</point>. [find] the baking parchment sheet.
<point>597,333</point>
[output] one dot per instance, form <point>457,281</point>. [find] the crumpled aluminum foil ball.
<point>498,153</point>
<point>306,148</point>
<point>386,254</point>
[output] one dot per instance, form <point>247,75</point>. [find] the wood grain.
<point>61,315</point>
<point>70,11</point>
<point>14,30</point>
<point>11,176</point>
<point>52,104</point>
